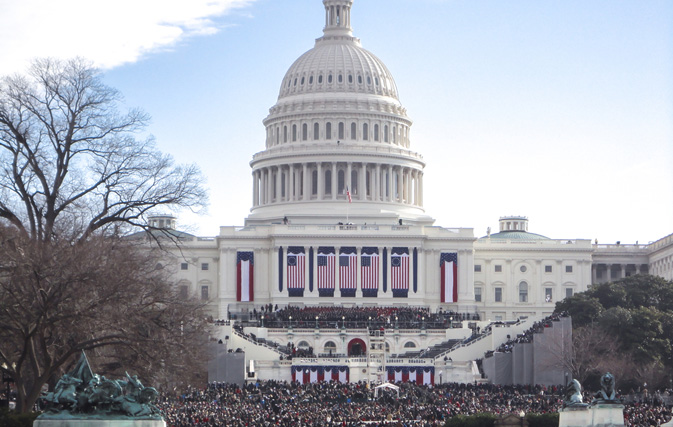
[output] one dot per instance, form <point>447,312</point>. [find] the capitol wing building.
<point>337,220</point>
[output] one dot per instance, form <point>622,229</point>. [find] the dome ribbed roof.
<point>338,66</point>
<point>516,235</point>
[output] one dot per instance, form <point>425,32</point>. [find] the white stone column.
<point>278,183</point>
<point>269,183</point>
<point>334,180</point>
<point>399,187</point>
<point>420,191</point>
<point>349,173</point>
<point>390,184</point>
<point>376,180</point>
<point>321,182</point>
<point>362,184</point>
<point>290,184</point>
<point>255,189</point>
<point>305,178</point>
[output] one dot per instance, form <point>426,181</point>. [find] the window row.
<point>366,81</point>
<point>498,268</point>
<point>339,131</point>
<point>522,293</point>
<point>185,266</point>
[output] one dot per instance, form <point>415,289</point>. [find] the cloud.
<point>108,32</point>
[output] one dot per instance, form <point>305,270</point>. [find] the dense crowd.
<point>359,317</point>
<point>273,403</point>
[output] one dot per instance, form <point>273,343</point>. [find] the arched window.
<point>330,347</point>
<point>328,182</point>
<point>354,131</point>
<point>354,182</point>
<point>314,182</point>
<point>341,130</point>
<point>316,131</point>
<point>409,344</point>
<point>329,78</point>
<point>284,133</point>
<point>320,78</point>
<point>302,81</point>
<point>385,133</point>
<point>359,79</point>
<point>523,292</point>
<point>350,78</point>
<point>294,133</point>
<point>328,130</point>
<point>304,132</point>
<point>376,132</point>
<point>277,135</point>
<point>394,134</point>
<point>340,78</point>
<point>282,185</point>
<point>310,79</point>
<point>341,182</point>
<point>303,344</point>
<point>365,132</point>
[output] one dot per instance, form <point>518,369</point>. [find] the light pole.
<point>262,320</point>
<point>343,322</point>
<point>317,325</point>
<point>450,322</point>
<point>290,322</point>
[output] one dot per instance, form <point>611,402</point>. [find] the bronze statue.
<point>573,395</point>
<point>607,392</point>
<point>83,394</point>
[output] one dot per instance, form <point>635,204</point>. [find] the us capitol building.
<point>337,220</point>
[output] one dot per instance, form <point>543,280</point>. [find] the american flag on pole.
<point>326,270</point>
<point>348,262</point>
<point>399,272</point>
<point>348,193</point>
<point>448,262</point>
<point>369,271</point>
<point>244,276</point>
<point>296,270</point>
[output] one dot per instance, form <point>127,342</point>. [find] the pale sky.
<point>561,111</point>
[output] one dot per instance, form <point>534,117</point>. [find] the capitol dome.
<point>337,132</point>
<point>338,66</point>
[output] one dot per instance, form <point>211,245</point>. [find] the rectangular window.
<point>477,268</point>
<point>547,268</point>
<point>184,266</point>
<point>498,268</point>
<point>477,294</point>
<point>204,292</point>
<point>569,268</point>
<point>204,266</point>
<point>548,295</point>
<point>498,294</point>
<point>569,292</point>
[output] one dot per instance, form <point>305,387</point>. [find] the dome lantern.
<point>338,17</point>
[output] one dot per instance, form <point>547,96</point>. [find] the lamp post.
<point>423,322</point>
<point>317,325</point>
<point>343,322</point>
<point>262,320</point>
<point>396,327</point>
<point>450,322</point>
<point>369,323</point>
<point>290,322</point>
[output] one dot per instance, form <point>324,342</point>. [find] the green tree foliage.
<point>634,313</point>
<point>478,420</point>
<point>543,420</point>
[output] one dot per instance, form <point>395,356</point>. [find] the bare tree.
<point>71,164</point>
<point>73,180</point>
<point>103,293</point>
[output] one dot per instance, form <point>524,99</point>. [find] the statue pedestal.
<point>592,416</point>
<point>98,423</point>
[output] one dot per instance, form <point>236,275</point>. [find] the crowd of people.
<point>273,403</point>
<point>527,335</point>
<point>358,317</point>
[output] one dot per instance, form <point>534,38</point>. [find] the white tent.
<point>386,385</point>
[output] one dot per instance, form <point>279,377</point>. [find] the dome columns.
<point>298,182</point>
<point>338,16</point>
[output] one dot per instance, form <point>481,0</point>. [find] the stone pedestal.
<point>593,416</point>
<point>98,423</point>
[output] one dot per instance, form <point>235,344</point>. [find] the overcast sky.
<point>561,111</point>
